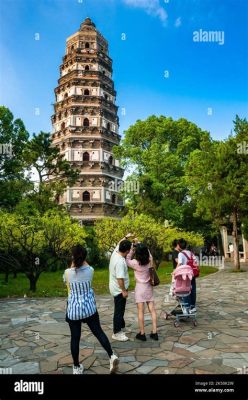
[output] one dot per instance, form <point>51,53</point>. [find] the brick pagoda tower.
<point>85,125</point>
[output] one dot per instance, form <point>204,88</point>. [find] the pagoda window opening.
<point>113,198</point>
<point>86,196</point>
<point>87,45</point>
<point>86,122</point>
<point>65,95</point>
<point>72,48</point>
<point>110,160</point>
<point>62,126</point>
<point>106,97</point>
<point>108,126</point>
<point>86,92</point>
<point>87,68</point>
<point>86,156</point>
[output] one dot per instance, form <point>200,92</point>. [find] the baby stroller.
<point>181,289</point>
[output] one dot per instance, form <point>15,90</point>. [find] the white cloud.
<point>151,7</point>
<point>178,22</point>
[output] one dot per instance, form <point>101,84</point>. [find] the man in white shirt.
<point>118,286</point>
<point>183,258</point>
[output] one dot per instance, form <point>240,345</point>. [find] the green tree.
<point>36,242</point>
<point>53,171</point>
<point>13,139</point>
<point>157,237</point>
<point>156,151</point>
<point>217,176</point>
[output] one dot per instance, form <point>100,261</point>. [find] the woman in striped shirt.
<point>81,307</point>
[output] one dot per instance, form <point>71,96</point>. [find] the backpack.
<point>193,264</point>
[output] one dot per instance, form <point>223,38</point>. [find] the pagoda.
<point>85,126</point>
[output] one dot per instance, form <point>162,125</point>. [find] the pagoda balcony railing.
<point>81,73</point>
<point>88,52</point>
<point>91,100</point>
<point>82,130</point>
<point>77,82</point>
<point>81,59</point>
<point>90,203</point>
<point>102,164</point>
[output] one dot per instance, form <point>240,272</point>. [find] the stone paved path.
<point>34,338</point>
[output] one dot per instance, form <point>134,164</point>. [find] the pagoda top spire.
<point>87,23</point>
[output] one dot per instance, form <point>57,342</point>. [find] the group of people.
<point>81,304</point>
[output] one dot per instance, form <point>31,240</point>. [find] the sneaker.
<point>120,336</point>
<point>114,362</point>
<point>154,336</point>
<point>78,370</point>
<point>139,336</point>
<point>192,310</point>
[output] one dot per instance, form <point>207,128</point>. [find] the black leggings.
<point>93,323</point>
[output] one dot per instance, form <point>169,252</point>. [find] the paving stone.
<point>127,359</point>
<point>156,363</point>
<point>23,351</point>
<point>160,371</point>
<point>167,345</point>
<point>20,343</point>
<point>12,350</point>
<point>181,363</point>
<point>125,367</point>
<point>3,354</point>
<point>233,362</point>
<point>145,369</point>
<point>88,362</point>
<point>48,366</point>
<point>195,348</point>
<point>188,340</point>
<point>184,350</point>
<point>100,370</point>
<point>26,368</point>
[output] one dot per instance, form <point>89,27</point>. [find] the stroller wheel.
<point>176,324</point>
<point>194,322</point>
<point>166,315</point>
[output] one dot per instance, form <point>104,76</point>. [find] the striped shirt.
<point>81,298</point>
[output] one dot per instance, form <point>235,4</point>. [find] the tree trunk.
<point>15,274</point>
<point>6,277</point>
<point>32,282</point>
<point>235,241</point>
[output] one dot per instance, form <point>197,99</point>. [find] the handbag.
<point>154,279</point>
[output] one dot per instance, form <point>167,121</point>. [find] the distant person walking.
<point>140,259</point>
<point>81,307</point>
<point>118,286</point>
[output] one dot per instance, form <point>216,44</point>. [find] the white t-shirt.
<point>182,259</point>
<point>117,270</point>
<point>82,274</point>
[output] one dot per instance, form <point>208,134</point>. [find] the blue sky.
<point>204,77</point>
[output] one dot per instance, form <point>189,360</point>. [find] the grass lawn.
<point>50,284</point>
